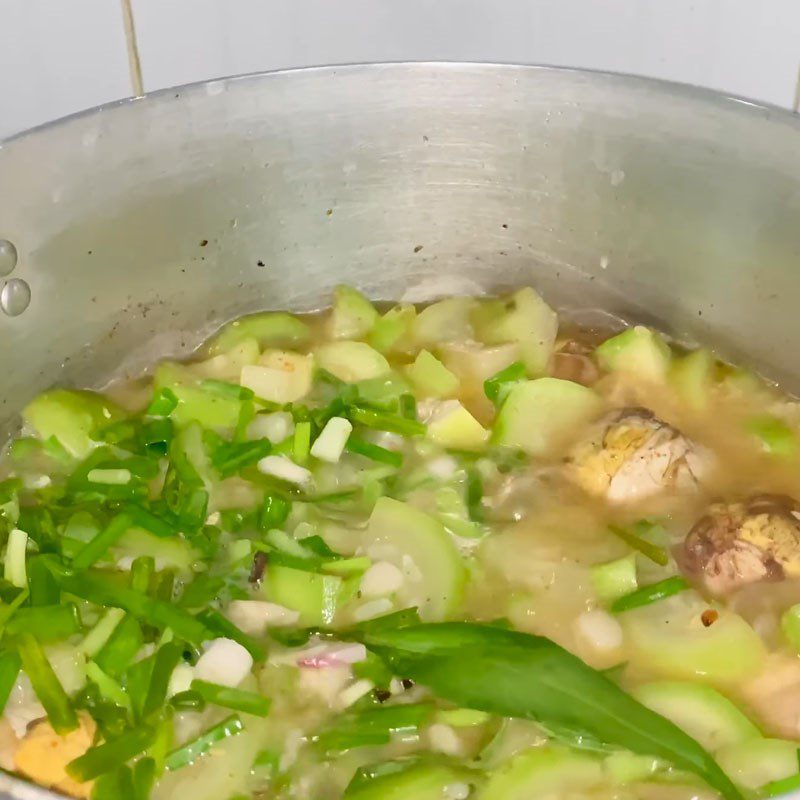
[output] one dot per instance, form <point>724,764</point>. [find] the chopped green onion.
<point>45,623</point>
<point>137,684</point>
<point>201,591</point>
<point>9,670</point>
<point>373,727</point>
<point>650,594</point>
<point>97,547</point>
<point>144,777</point>
<point>500,384</point>
<point>235,699</point>
<point>408,406</point>
<point>187,701</point>
<point>155,436</point>
<point>347,567</point>
<point>94,641</point>
<point>164,663</point>
<point>164,402</point>
<point>222,626</point>
<point>784,786</point>
<point>192,750</point>
<point>44,590</point>
<point>162,744</point>
<point>274,512</point>
<point>142,571</point>
<point>14,566</point>
<point>231,457</point>
<point>386,422</point>
<point>105,592</point>
<point>45,684</point>
<point>247,412</point>
<point>142,518</point>
<point>614,579</point>
<point>653,552</point>
<point>108,687</point>
<point>121,646</point>
<point>7,610</point>
<point>112,477</point>
<point>475,495</point>
<point>301,442</point>
<point>110,755</point>
<point>374,452</point>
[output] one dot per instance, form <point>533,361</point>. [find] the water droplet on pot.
<point>15,297</point>
<point>8,257</point>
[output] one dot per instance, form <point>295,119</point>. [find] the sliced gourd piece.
<point>702,712</point>
<point>196,404</point>
<point>430,377</point>
<point>169,552</point>
<point>416,543</point>
<point>280,376</point>
<point>454,427</point>
<point>313,595</point>
<point>523,318</point>
<point>445,321</point>
<point>668,638</point>
<point>544,771</point>
<point>615,578</point>
<point>419,782</point>
<point>391,333</point>
<point>352,316</point>
<point>72,417</point>
<point>474,363</point>
<point>639,352</point>
<point>624,767</point>
<point>271,329</point>
<point>692,377</point>
<point>543,415</point>
<point>352,361</point>
<point>228,366</point>
<point>755,762</point>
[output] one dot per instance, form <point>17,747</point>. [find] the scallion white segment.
<point>329,445</point>
<point>15,572</point>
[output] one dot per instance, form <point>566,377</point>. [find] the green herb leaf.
<point>45,623</point>
<point>230,457</point>
<point>517,675</point>
<point>164,402</point>
<point>374,726</point>
<point>650,594</point>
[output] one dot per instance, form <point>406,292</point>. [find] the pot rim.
<point>664,86</point>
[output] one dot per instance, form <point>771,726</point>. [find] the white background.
<point>60,56</point>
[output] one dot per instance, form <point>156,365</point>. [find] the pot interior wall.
<point>655,202</point>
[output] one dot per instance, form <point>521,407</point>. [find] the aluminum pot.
<point>141,226</point>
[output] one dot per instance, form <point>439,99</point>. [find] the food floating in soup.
<point>438,553</point>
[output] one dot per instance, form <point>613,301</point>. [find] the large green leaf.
<point>517,675</point>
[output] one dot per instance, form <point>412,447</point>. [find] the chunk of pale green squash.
<point>701,711</point>
<point>418,544</point>
<point>72,417</point>
<point>352,315</point>
<point>546,771</point>
<point>431,378</point>
<point>352,361</point>
<point>668,639</point>
<point>445,321</point>
<point>543,415</point>
<point>639,352</point>
<point>524,318</point>
<point>270,329</point>
<point>391,333</point>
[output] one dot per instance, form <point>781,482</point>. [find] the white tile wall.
<point>748,47</point>
<point>58,56</point>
